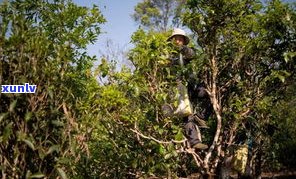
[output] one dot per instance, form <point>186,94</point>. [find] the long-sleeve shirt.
<point>197,94</point>
<point>185,53</point>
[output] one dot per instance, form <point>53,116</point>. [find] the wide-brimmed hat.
<point>181,32</point>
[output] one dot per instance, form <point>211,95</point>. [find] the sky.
<point>119,26</point>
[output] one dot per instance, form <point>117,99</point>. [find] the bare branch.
<point>138,137</point>
<point>191,151</point>
<point>217,109</point>
<point>219,151</point>
<point>196,157</point>
<point>156,140</point>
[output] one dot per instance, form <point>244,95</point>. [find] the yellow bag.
<point>184,107</point>
<point>240,158</point>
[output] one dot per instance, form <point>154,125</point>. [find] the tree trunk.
<point>258,163</point>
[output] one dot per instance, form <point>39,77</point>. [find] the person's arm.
<point>188,53</point>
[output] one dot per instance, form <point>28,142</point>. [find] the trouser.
<point>192,131</point>
<point>200,100</point>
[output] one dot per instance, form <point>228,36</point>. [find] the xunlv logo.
<point>26,88</point>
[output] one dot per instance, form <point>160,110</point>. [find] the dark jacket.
<point>197,93</point>
<point>187,55</point>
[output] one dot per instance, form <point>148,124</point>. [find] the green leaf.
<point>7,131</point>
<point>161,149</point>
<point>37,175</point>
<point>282,78</point>
<point>135,163</point>
<point>57,123</point>
<point>52,149</point>
<point>28,174</point>
<point>179,135</point>
<point>62,173</point>
<point>3,116</point>
<point>12,106</point>
<point>29,143</point>
<point>288,56</point>
<point>41,153</point>
<point>50,92</point>
<point>20,135</point>
<point>167,156</point>
<point>160,131</point>
<point>28,116</point>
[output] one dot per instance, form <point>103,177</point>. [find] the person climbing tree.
<point>182,56</point>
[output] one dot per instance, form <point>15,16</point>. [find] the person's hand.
<point>184,49</point>
<point>187,52</point>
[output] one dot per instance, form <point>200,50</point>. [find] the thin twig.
<point>138,137</point>
<point>156,140</point>
<point>196,157</point>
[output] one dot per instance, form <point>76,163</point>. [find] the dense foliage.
<point>158,14</point>
<point>77,127</point>
<point>44,43</point>
<point>246,44</point>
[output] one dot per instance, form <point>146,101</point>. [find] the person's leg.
<point>190,131</point>
<point>201,102</point>
<point>193,134</point>
<point>200,122</point>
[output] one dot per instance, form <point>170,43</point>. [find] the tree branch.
<point>196,157</point>
<point>156,140</point>
<point>217,109</point>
